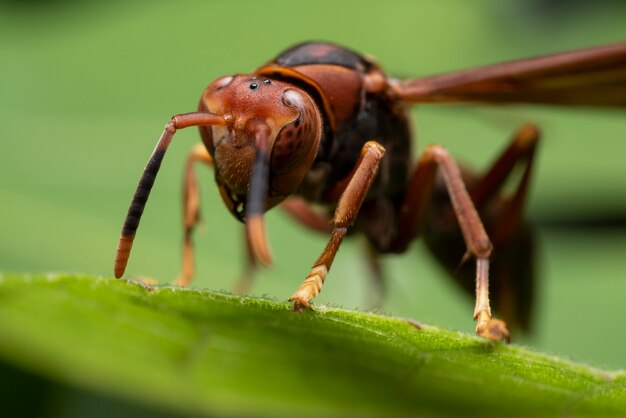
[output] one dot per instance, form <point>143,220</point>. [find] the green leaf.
<point>201,352</point>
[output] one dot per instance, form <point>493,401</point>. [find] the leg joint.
<point>527,136</point>
<point>373,146</point>
<point>436,152</point>
<point>481,247</point>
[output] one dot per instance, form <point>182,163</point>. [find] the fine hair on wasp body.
<point>321,124</point>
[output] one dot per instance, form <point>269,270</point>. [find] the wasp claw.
<point>494,329</point>
<point>299,304</point>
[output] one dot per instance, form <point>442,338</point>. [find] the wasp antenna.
<point>137,205</point>
<point>255,203</point>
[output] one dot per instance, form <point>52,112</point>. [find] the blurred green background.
<point>86,88</point>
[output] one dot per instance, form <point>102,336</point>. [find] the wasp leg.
<point>345,215</point>
<point>191,217</point>
<point>512,263</point>
<point>191,210</point>
<point>521,150</point>
<point>414,212</point>
<point>300,211</point>
<point>512,237</point>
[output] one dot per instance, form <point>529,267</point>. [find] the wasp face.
<point>249,104</point>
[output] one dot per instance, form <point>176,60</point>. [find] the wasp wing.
<point>587,77</point>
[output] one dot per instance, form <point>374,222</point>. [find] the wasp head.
<point>270,139</point>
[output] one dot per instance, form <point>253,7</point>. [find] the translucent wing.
<point>587,77</point>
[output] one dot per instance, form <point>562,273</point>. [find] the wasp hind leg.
<point>414,213</point>
<point>512,237</point>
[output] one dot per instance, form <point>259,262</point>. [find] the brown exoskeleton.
<point>323,124</point>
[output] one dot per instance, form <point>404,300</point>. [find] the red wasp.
<point>322,124</point>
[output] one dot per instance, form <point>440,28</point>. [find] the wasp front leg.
<point>300,211</point>
<point>191,210</point>
<point>345,214</point>
<point>191,217</point>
